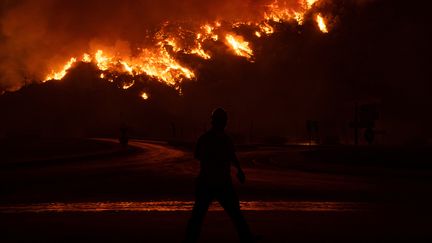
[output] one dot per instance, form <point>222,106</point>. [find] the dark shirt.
<point>215,151</point>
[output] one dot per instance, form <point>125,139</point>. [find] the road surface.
<point>146,196</point>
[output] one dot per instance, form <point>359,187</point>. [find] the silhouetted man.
<point>216,154</point>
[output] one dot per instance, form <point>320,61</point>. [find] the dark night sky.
<point>377,51</point>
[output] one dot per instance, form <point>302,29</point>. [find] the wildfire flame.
<point>102,61</point>
<point>162,66</point>
<point>321,23</point>
<point>156,63</point>
<point>160,61</point>
<point>60,74</point>
<point>144,95</point>
<point>264,28</point>
<point>127,67</point>
<point>200,52</point>
<point>86,58</point>
<point>128,85</point>
<point>239,46</point>
<point>310,3</point>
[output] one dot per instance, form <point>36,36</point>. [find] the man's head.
<point>219,118</point>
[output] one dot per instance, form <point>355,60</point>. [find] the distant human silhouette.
<point>124,138</point>
<point>216,154</point>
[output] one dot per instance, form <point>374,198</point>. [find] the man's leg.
<point>230,202</point>
<point>203,199</point>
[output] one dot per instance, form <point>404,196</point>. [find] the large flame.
<point>161,60</point>
<point>279,11</point>
<point>321,23</point>
<point>102,61</point>
<point>310,3</point>
<point>199,51</point>
<point>239,46</point>
<point>156,63</point>
<point>60,74</point>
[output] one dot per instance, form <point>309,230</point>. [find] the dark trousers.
<point>227,198</point>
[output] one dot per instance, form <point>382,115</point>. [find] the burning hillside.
<point>272,64</point>
<point>160,54</point>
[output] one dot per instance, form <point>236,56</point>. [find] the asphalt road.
<point>146,196</point>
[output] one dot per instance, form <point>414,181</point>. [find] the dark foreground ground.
<point>394,226</point>
<point>395,195</point>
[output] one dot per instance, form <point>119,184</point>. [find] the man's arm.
<point>240,174</point>
<point>236,163</point>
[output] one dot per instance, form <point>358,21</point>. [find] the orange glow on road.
<point>176,206</point>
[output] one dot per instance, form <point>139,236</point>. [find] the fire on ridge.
<point>160,62</point>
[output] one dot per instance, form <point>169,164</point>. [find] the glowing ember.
<point>60,75</point>
<point>321,23</point>
<point>145,96</point>
<point>128,85</point>
<point>239,46</point>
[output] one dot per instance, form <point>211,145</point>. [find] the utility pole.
<point>251,132</point>
<point>356,124</point>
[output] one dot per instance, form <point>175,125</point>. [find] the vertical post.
<point>251,132</point>
<point>356,124</point>
<point>310,138</point>
<point>173,130</point>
